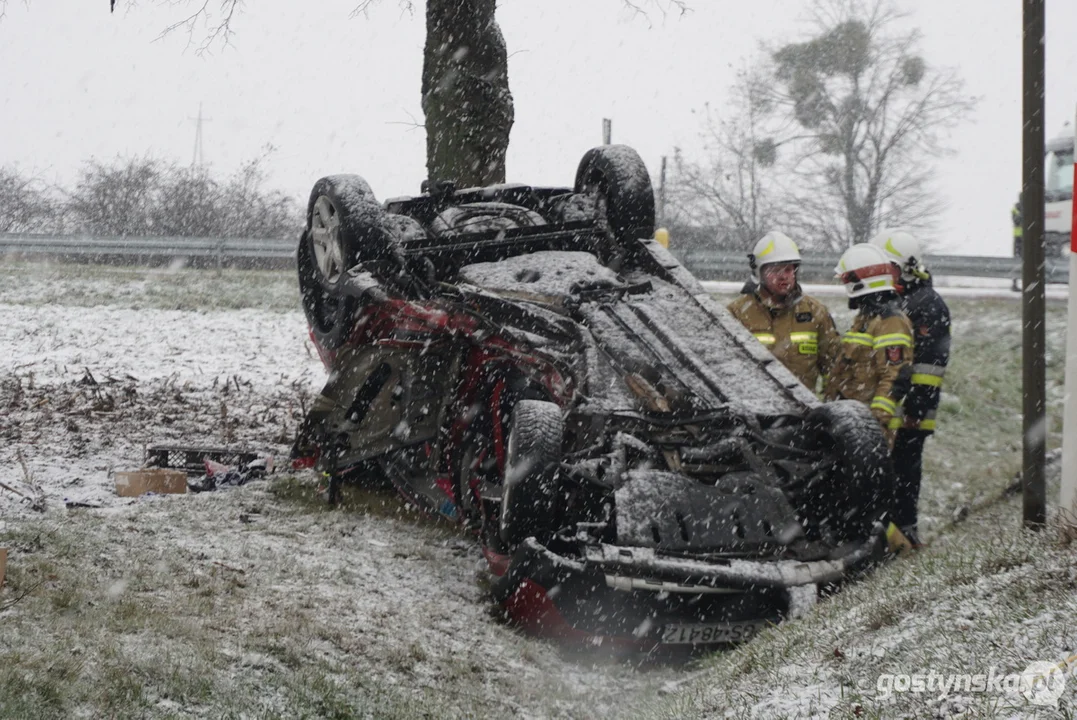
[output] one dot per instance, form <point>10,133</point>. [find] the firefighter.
<point>1018,236</point>
<point>797,328</point>
<point>930,318</point>
<point>876,353</point>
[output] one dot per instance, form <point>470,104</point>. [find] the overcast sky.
<point>335,93</point>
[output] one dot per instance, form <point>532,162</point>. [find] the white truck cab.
<point>1058,194</point>
<point>1057,198</point>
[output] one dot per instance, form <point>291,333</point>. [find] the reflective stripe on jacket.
<point>875,361</point>
<point>801,334</point>
<point>930,318</point>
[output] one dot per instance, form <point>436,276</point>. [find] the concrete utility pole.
<point>607,131</point>
<point>1034,364</point>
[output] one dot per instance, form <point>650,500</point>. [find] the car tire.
<point>617,177</point>
<point>346,226</point>
<point>858,492</point>
<point>532,459</point>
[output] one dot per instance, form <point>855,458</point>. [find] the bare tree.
<point>115,199</point>
<point>465,87</point>
<point>465,90</point>
<point>26,203</point>
<point>186,203</point>
<point>730,189</point>
<point>247,209</point>
<point>144,196</point>
<point>859,117</point>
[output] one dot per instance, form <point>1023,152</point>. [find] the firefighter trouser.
<point>908,461</point>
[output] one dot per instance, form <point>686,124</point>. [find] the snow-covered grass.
<point>984,599</point>
<point>165,288</point>
<point>246,604</point>
<point>984,595</point>
<point>252,602</point>
<point>260,602</point>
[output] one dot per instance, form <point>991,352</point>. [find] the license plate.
<point>705,633</point>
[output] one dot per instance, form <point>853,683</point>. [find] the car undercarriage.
<point>531,363</point>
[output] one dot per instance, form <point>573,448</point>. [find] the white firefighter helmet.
<point>902,249</point>
<point>865,269</point>
<point>772,248</point>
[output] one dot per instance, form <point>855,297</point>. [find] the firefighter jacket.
<point>1018,230</point>
<point>800,332</point>
<point>875,360</point>
<point>930,319</point>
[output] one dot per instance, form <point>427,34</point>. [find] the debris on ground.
<point>79,504</point>
<point>161,481</point>
<point>219,475</point>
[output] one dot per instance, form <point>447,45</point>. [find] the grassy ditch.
<point>185,608</point>
<point>261,602</point>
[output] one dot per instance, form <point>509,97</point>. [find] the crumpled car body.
<point>531,363</point>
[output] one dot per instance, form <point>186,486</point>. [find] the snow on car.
<point>530,362</point>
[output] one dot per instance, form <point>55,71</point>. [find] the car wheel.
<point>532,458</point>
<point>345,226</point>
<point>329,313</point>
<point>858,491</point>
<point>617,179</point>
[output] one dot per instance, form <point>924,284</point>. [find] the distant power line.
<point>198,158</point>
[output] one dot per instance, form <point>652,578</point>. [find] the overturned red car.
<point>529,362</point>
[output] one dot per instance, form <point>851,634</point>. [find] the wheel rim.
<point>325,240</point>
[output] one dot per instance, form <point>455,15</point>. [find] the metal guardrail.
<point>734,266</point>
<point>129,245</point>
<point>245,252</point>
<point>261,252</point>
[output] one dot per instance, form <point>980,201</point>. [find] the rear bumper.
<point>645,564</point>
<point>626,596</point>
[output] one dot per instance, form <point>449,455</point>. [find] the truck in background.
<point>1058,198</point>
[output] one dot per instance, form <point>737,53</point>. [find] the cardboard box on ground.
<point>155,480</point>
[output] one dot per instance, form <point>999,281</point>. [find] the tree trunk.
<point>466,98</point>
